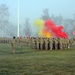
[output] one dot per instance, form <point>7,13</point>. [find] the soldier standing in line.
<point>65,42</point>
<point>51,43</point>
<point>33,43</point>
<point>56,42</point>
<point>46,43</point>
<point>37,43</point>
<point>61,43</point>
<point>27,40</point>
<point>41,43</point>
<point>68,45</point>
<point>71,41</point>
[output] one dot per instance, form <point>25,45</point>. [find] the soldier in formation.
<point>43,43</point>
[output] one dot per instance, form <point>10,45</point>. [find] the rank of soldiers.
<point>42,43</point>
<point>50,43</point>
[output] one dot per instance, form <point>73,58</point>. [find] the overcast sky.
<point>33,9</point>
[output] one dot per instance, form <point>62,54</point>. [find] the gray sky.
<point>33,9</point>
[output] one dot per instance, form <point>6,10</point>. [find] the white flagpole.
<point>18,21</point>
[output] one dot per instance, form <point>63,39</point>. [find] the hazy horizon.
<point>33,9</point>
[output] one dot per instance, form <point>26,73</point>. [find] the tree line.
<point>7,29</point>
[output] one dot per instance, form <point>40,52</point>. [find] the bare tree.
<point>4,16</point>
<point>45,16</point>
<point>69,26</point>
<point>11,30</point>
<point>27,29</point>
<point>68,23</point>
<point>57,19</point>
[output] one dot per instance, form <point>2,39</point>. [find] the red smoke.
<point>55,30</point>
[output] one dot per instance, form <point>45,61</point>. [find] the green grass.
<point>36,62</point>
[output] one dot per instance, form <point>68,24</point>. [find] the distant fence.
<point>5,40</point>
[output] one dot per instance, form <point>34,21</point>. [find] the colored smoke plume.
<point>40,24</point>
<point>49,29</point>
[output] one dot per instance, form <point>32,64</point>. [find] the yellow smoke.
<point>47,34</point>
<point>39,23</point>
<point>43,32</point>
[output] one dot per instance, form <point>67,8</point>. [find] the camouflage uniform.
<point>51,43</point>
<point>67,43</point>
<point>71,42</point>
<point>41,43</point>
<point>46,43</point>
<point>61,43</point>
<point>32,43</point>
<point>56,43</point>
<point>37,43</point>
<point>13,43</point>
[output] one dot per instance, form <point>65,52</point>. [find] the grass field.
<point>35,62</point>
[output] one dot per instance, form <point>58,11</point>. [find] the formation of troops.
<point>50,43</point>
<point>41,43</point>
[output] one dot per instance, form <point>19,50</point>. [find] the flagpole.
<point>18,21</point>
